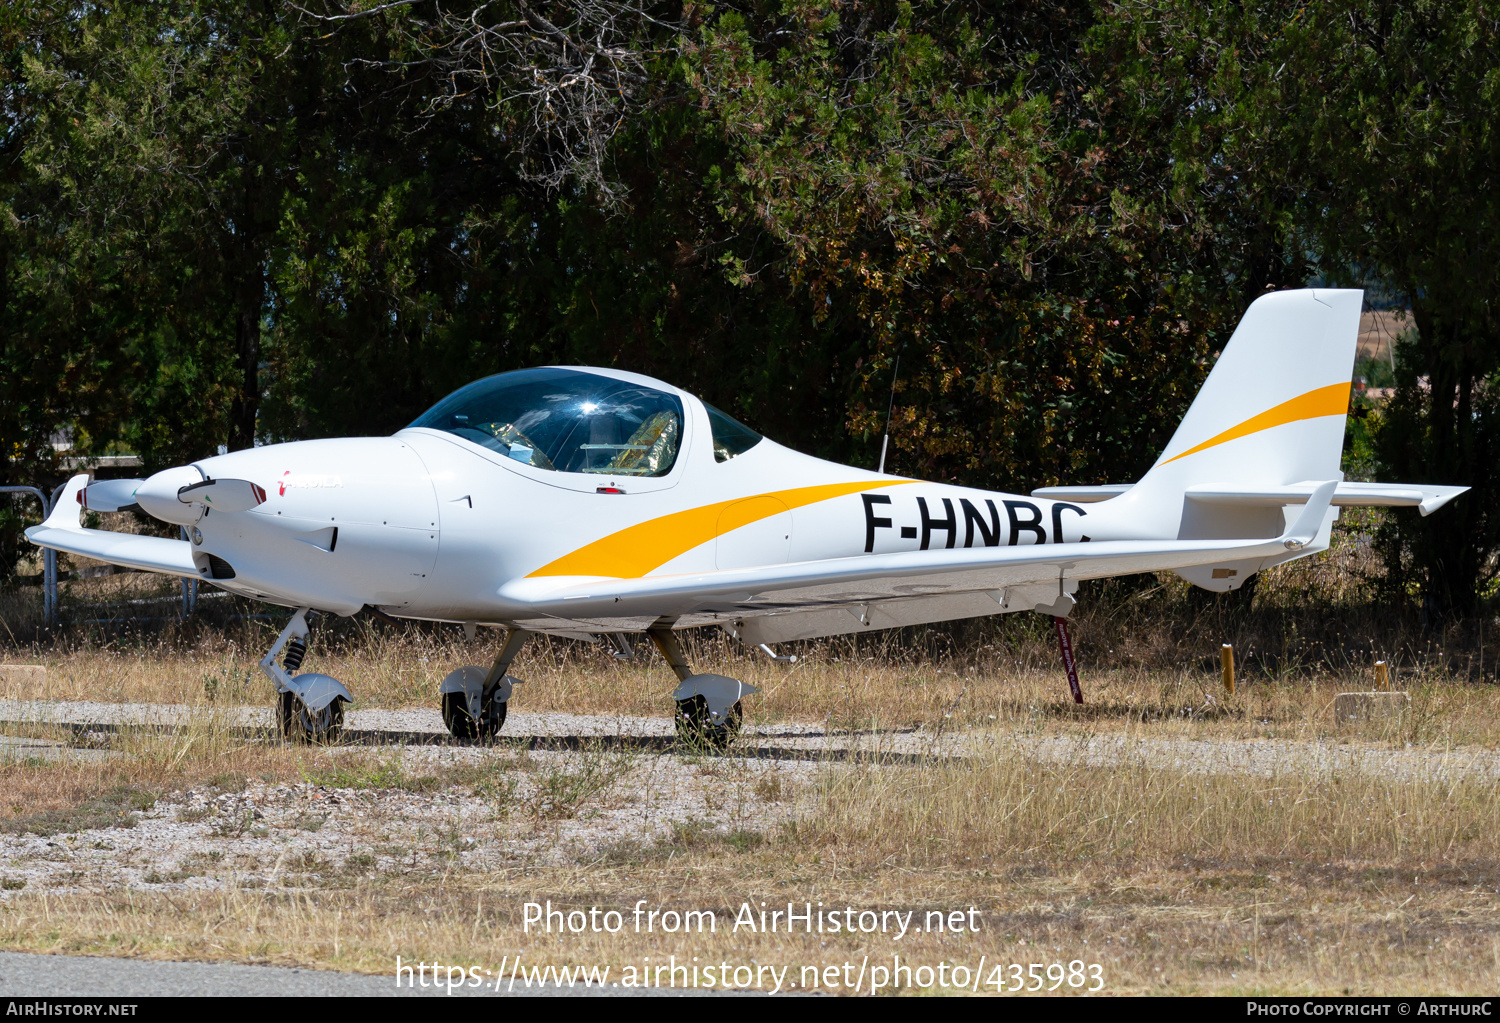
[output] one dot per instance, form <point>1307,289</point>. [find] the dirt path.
<point>799,742</point>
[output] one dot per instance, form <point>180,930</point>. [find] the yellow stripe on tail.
<point>1332,400</point>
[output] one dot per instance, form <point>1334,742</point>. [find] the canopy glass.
<point>566,420</point>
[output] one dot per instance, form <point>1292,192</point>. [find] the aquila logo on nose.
<point>306,481</point>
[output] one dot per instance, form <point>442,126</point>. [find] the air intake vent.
<point>218,568</point>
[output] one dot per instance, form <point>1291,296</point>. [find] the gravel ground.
<point>542,807</point>
<point>794,741</point>
<point>508,805</point>
<point>412,721</point>
<point>587,787</point>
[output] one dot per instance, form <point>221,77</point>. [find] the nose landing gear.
<point>309,707</point>
<point>475,701</point>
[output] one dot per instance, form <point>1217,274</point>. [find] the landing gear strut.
<point>309,707</point>
<point>475,700</point>
<point>709,713</point>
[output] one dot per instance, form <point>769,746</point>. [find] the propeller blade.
<point>109,495</point>
<point>223,495</point>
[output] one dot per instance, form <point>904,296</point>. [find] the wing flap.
<point>783,627</point>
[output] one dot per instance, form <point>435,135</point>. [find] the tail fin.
<point>1263,436</point>
<point>1270,414</point>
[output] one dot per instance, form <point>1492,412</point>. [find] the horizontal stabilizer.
<point>1423,497</point>
<point>1426,499</point>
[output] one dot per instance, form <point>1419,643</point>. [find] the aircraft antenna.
<point>885,438</point>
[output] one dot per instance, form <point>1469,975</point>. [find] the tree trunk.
<point>250,297</point>
<point>1448,544</point>
<point>247,342</point>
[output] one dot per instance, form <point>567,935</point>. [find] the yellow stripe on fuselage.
<point>1332,400</point>
<point>636,550</point>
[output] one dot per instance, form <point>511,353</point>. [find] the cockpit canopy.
<point>570,420</point>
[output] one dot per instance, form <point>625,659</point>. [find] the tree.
<point>1376,124</point>
<point>979,190</point>
<point>1402,150</point>
<point>159,172</point>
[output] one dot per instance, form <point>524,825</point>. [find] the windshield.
<point>566,420</point>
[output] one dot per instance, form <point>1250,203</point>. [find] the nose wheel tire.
<point>696,727</point>
<point>298,724</point>
<point>463,727</point>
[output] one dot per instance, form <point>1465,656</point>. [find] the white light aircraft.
<point>594,502</point>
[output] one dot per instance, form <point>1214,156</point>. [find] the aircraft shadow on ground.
<point>97,735</point>
<point>653,744</point>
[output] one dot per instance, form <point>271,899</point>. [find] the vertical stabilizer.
<point>1270,414</point>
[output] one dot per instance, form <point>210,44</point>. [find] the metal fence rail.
<point>49,556</point>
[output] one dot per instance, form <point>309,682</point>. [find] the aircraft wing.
<point>879,577</point>
<point>63,531</point>
<point>873,577</point>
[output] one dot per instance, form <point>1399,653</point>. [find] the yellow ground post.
<point>1226,656</point>
<point>1382,676</point>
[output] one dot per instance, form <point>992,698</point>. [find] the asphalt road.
<point>46,976</point>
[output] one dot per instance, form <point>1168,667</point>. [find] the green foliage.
<point>1401,151</point>
<point>1451,560</point>
<point>1367,132</point>
<point>935,182</point>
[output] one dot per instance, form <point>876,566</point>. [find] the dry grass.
<point>1013,679</point>
<point>1209,931</point>
<point>73,793</point>
<point>1173,882</point>
<point>1010,809</point>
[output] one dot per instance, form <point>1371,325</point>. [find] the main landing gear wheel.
<point>463,727</point>
<point>696,727</point>
<point>473,691</point>
<point>298,724</point>
<point>698,696</point>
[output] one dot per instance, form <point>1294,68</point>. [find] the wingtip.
<point>67,513</point>
<point>1432,503</point>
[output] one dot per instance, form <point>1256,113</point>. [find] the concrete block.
<point>1369,706</point>
<point>24,674</point>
